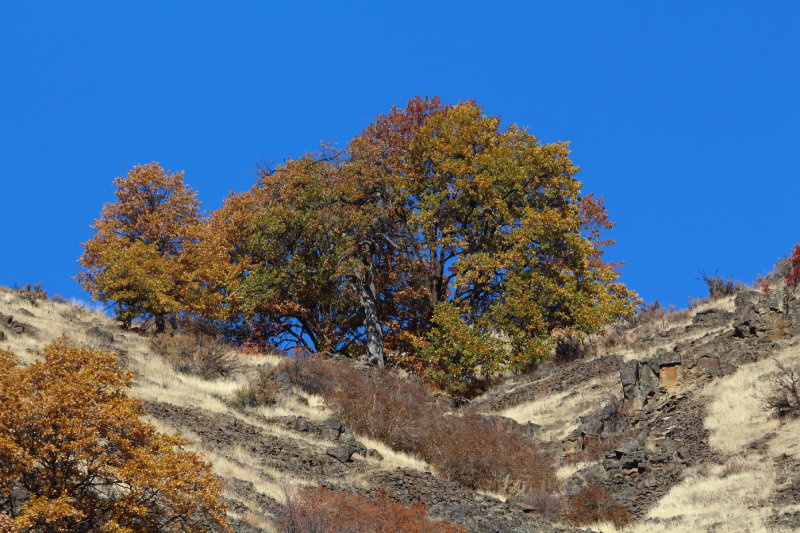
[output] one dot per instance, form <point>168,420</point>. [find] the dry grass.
<point>393,459</point>
<point>558,413</point>
<point>732,496</point>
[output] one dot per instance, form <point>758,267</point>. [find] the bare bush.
<point>196,353</point>
<point>719,286</point>
<point>783,397</point>
<point>33,294</point>
<point>406,416</point>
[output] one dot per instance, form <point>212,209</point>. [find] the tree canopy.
<point>436,239</point>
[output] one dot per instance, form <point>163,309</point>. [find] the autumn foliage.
<point>145,258</point>
<point>76,456</point>
<point>406,416</point>
<point>321,510</point>
<point>793,276</point>
<point>436,240</point>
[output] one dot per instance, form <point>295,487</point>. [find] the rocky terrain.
<point>671,422</point>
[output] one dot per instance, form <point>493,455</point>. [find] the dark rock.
<point>333,428</point>
<point>343,452</point>
<point>629,376</point>
<point>711,318</point>
<point>23,311</point>
<point>20,328</point>
<point>763,315</point>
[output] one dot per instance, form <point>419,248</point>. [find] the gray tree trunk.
<point>372,323</point>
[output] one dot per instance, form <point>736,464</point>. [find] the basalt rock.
<point>763,315</point>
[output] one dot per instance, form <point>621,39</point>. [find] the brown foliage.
<point>405,415</point>
<point>592,505</point>
<point>196,353</point>
<point>320,510</point>
<point>76,456</point>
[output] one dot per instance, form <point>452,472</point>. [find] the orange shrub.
<point>320,510</point>
<point>76,456</point>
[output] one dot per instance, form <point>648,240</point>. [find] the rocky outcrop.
<point>15,326</point>
<point>643,379</point>
<point>763,315</point>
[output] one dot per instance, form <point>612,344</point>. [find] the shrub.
<point>263,390</point>
<point>570,347</point>
<point>321,510</point>
<point>76,456</point>
<point>592,505</point>
<point>543,503</point>
<point>196,353</point>
<point>792,277</point>
<point>783,397</point>
<point>718,286</point>
<point>33,294</point>
<point>405,415</point>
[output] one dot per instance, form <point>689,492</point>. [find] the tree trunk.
<point>161,323</point>
<point>372,324</point>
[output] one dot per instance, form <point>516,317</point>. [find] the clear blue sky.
<point>684,115</point>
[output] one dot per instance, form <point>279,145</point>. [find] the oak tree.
<point>76,456</point>
<point>136,260</point>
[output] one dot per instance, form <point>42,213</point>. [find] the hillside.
<point>667,417</point>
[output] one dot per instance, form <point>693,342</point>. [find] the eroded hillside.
<point>669,420</point>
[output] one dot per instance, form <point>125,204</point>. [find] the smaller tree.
<point>76,456</point>
<point>136,260</point>
<point>792,277</point>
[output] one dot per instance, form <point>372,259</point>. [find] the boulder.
<point>628,457</point>
<point>20,328</point>
<point>333,428</point>
<point>343,452</point>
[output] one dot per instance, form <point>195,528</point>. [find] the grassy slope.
<point>733,495</point>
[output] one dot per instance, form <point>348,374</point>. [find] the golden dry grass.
<point>557,413</point>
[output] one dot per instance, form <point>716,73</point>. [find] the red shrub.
<point>320,510</point>
<point>793,276</point>
<point>592,505</point>
<point>406,416</point>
